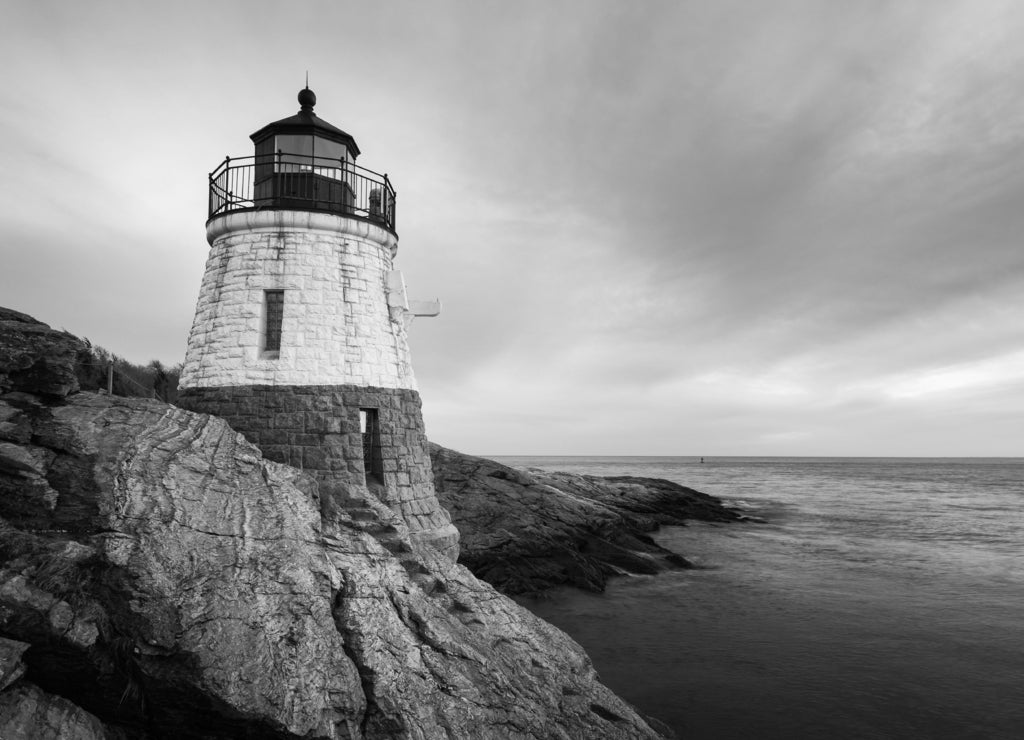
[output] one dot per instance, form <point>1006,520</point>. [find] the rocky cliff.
<point>526,531</point>
<point>159,578</point>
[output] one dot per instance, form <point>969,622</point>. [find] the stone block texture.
<point>337,327</point>
<point>343,348</point>
<point>317,429</point>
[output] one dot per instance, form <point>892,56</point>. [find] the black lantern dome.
<point>306,134</point>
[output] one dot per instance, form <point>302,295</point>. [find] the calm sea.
<point>882,598</point>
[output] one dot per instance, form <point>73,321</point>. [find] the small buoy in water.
<point>702,459</point>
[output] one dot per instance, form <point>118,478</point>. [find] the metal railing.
<point>302,182</point>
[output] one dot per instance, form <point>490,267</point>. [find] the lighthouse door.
<point>373,462</point>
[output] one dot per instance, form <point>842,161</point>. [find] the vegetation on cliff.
<point>93,366</point>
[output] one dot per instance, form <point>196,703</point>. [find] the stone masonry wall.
<point>337,328</point>
<point>317,428</point>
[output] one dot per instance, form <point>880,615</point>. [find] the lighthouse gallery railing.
<point>302,182</point>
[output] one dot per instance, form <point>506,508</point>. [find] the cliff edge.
<point>160,578</point>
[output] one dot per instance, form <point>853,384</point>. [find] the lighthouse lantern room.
<point>303,162</point>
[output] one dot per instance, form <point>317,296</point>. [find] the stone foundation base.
<point>317,428</point>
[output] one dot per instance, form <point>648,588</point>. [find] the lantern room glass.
<point>305,153</point>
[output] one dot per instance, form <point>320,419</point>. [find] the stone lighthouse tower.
<point>299,337</point>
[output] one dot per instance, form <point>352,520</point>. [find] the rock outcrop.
<point>34,358</point>
<point>526,531</point>
<point>160,578</point>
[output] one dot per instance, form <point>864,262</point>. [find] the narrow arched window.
<point>274,316</point>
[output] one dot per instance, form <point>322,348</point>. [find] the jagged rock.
<point>14,425</point>
<point>173,583</point>
<point>11,666</point>
<point>34,358</point>
<point>28,713</point>
<point>526,531</point>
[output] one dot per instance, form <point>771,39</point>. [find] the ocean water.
<point>881,598</point>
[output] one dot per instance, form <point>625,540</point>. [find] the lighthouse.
<point>299,338</point>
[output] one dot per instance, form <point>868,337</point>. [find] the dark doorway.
<point>373,462</point>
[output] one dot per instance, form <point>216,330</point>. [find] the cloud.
<point>676,228</point>
<point>989,375</point>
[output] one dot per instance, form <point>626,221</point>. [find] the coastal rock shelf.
<point>526,531</point>
<point>159,578</point>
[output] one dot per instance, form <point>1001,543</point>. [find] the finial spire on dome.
<point>307,98</point>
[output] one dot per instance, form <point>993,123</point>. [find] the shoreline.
<point>525,531</point>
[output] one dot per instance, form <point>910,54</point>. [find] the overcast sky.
<point>675,228</point>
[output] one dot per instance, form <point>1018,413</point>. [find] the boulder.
<point>34,358</point>
<point>28,712</point>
